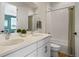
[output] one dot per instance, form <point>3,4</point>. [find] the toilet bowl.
<point>54,50</point>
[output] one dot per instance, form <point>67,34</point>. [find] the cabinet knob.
<point>45,49</point>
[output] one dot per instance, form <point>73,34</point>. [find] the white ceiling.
<point>31,4</point>
<point>24,4</point>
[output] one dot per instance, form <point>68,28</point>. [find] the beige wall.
<point>1,16</point>
<point>42,14</point>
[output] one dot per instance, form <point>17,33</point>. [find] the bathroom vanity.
<point>33,45</point>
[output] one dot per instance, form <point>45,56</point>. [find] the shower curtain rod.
<point>60,9</point>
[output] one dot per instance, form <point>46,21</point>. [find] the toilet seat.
<point>55,47</point>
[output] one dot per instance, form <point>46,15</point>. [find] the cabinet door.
<point>47,50</point>
<point>43,41</point>
<point>41,51</point>
<point>34,54</point>
<point>44,51</point>
<point>24,51</point>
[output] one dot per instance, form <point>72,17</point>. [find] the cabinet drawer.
<point>23,52</point>
<point>42,42</point>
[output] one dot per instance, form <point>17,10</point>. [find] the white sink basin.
<point>36,34</point>
<point>11,42</point>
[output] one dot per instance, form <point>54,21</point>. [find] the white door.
<point>77,29</point>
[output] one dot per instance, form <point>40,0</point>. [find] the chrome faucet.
<point>7,35</point>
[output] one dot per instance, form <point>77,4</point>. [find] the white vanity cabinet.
<point>40,48</point>
<point>33,54</point>
<point>44,48</point>
<point>23,51</point>
<point>42,51</point>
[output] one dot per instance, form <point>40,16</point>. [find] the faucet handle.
<point>2,31</point>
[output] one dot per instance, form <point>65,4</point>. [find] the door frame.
<point>71,30</point>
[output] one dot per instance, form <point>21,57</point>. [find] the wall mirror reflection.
<point>19,16</point>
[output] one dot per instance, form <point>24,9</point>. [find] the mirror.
<point>17,17</point>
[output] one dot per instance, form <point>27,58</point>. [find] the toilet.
<point>54,50</point>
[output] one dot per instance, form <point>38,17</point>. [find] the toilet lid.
<point>55,45</point>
